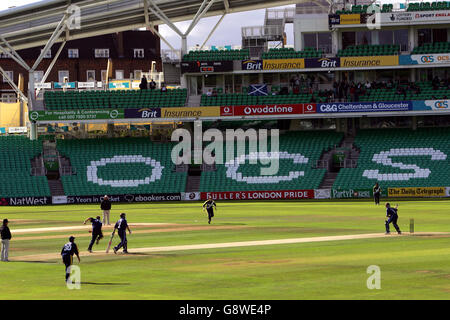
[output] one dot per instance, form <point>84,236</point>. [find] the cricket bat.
<point>110,241</point>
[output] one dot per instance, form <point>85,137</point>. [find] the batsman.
<point>392,217</point>
<point>122,227</point>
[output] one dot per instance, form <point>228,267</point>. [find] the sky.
<point>228,33</point>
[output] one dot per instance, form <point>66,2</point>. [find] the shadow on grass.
<point>45,262</point>
<point>104,284</point>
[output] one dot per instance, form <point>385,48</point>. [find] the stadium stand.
<point>15,168</point>
<point>437,47</point>
<point>299,152</point>
<point>217,55</point>
<point>370,50</point>
<point>290,53</point>
<point>428,6</point>
<point>116,166</point>
<point>399,158</point>
<point>59,100</point>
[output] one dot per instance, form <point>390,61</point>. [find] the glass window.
<point>439,35</point>
<point>73,53</point>
<point>139,53</point>
<point>324,41</point>
<point>309,40</point>
<point>102,53</point>
<point>385,37</point>
<point>90,75</point>
<point>120,75</point>
<point>348,39</point>
<point>38,75</point>
<point>48,54</point>
<point>424,36</point>
<point>401,38</point>
<point>63,75</point>
<point>10,74</point>
<point>364,37</point>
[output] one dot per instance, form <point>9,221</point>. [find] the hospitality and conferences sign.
<point>80,114</point>
<point>364,107</point>
<point>268,110</point>
<point>259,195</point>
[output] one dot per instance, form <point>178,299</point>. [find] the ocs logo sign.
<point>443,104</point>
<point>427,59</point>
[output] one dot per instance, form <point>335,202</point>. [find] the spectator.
<point>163,88</point>
<point>214,92</point>
<point>144,84</point>
<point>209,93</point>
<point>152,85</point>
<point>368,85</point>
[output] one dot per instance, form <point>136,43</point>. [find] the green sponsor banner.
<point>354,193</point>
<point>62,115</point>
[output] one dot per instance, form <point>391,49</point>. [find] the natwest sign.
<point>259,195</point>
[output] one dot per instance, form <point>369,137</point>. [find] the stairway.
<point>352,155</point>
<point>37,166</point>
<point>56,188</point>
<point>193,184</point>
<point>328,180</point>
<point>172,73</point>
<point>194,101</point>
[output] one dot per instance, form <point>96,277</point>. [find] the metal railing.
<point>38,171</point>
<point>321,164</point>
<point>169,55</point>
<point>262,31</point>
<point>66,171</point>
<point>348,163</point>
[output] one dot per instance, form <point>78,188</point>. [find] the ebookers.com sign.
<point>260,195</point>
<point>418,192</point>
<point>127,198</point>
<point>365,62</point>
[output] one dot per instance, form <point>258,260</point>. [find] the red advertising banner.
<point>268,110</point>
<point>309,108</point>
<point>259,195</point>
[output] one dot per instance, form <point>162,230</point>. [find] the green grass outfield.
<point>412,267</point>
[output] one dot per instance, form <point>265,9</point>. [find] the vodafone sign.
<point>268,110</point>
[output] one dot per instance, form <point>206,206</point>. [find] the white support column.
<point>212,31</point>
<point>199,15</point>
<point>184,45</point>
<point>56,34</point>
<point>157,11</point>
<point>50,67</point>
<point>13,53</point>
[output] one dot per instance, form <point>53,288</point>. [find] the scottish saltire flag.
<point>257,90</point>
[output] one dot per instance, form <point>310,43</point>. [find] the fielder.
<point>67,252</point>
<point>392,216</point>
<point>209,205</point>
<point>122,227</point>
<point>97,233</point>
